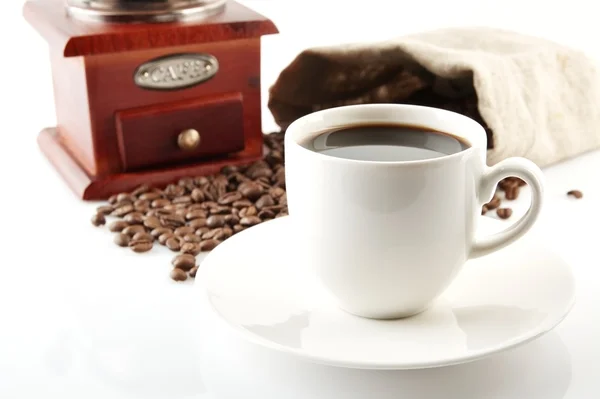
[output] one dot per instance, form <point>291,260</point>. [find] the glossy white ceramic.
<point>386,238</point>
<point>257,283</point>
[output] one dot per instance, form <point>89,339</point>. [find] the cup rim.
<point>300,128</point>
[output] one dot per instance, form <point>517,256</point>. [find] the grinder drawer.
<point>180,132</point>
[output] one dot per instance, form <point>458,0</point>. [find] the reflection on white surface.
<point>502,323</point>
<point>540,369</point>
<point>497,302</point>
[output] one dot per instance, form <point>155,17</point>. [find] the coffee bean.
<point>191,248</point>
<point>201,180</point>
<point>281,214</point>
<point>122,210</point>
<point>134,218</point>
<point>207,205</point>
<point>264,183</point>
<point>237,178</point>
<point>178,275</point>
<point>157,232</point>
<point>150,196</point>
<point>224,234</point>
<point>142,209</point>
<point>186,199</point>
<point>174,190</point>
<point>250,190</point>
<point>266,214</point>
<point>192,273</point>
<point>184,262</point>
<point>212,233</point>
<point>220,210</point>
<point>248,221</point>
<point>261,172</point>
<point>274,157</point>
<point>163,238</point>
<point>121,239</point>
<point>258,169</point>
<point>152,222</point>
<point>484,209</point>
<point>208,245</point>
<point>98,219</point>
<point>200,232</point>
<point>132,230</point>
<point>105,209</point>
<point>160,203</point>
<point>195,214</point>
<point>143,236</point>
<point>117,226</point>
<point>140,245</point>
<point>282,200</point>
<point>278,178</point>
<point>144,188</point>
<point>141,203</point>
<point>263,201</point>
<point>215,221</point>
<point>504,213</point>
<point>494,203</point>
<point>276,192</point>
<point>125,197</point>
<point>232,219</point>
<point>506,184</point>
<point>197,195</point>
<point>230,198</point>
<point>512,192</point>
<point>181,231</point>
<point>158,212</point>
<point>112,199</point>
<point>242,204</point>
<point>208,195</point>
<point>250,211</point>
<point>186,182</point>
<point>172,221</point>
<point>575,193</point>
<point>191,237</point>
<point>173,243</point>
<point>237,228</point>
<point>197,223</point>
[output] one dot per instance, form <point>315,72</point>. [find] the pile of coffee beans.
<point>197,214</point>
<point>511,187</point>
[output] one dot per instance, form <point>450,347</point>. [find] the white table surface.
<point>82,318</point>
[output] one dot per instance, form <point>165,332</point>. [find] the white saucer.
<point>497,302</point>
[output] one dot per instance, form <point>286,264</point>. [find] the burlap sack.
<point>536,98</point>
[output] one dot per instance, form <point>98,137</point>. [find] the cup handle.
<point>510,167</point>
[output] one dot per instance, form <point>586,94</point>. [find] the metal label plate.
<point>176,71</point>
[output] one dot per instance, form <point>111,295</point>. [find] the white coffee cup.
<point>387,238</point>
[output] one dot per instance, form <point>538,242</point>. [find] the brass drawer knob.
<point>188,139</point>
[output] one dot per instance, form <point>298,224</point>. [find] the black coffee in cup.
<point>384,143</point>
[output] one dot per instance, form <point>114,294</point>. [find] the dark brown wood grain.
<point>76,38</point>
<point>147,136</point>
<point>93,67</point>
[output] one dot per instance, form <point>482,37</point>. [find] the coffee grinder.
<point>148,91</point>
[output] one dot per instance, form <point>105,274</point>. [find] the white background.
<point>70,301</point>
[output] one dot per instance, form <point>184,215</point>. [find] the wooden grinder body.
<point>113,135</point>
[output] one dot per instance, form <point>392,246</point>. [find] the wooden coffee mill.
<point>148,91</point>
